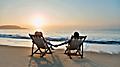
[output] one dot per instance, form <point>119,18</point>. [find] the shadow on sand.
<point>55,61</point>
<point>52,61</point>
<point>85,62</point>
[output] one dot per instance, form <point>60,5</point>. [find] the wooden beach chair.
<point>77,45</point>
<point>41,44</point>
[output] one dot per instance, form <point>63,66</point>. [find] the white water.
<point>92,35</point>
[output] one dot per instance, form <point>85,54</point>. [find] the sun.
<point>37,22</point>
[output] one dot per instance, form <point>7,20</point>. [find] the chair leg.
<point>44,53</point>
<point>46,50</point>
<point>66,51</point>
<point>32,49</point>
<point>69,52</point>
<point>34,52</point>
<point>40,50</point>
<point>82,55</point>
<point>82,51</point>
<point>49,50</point>
<point>76,51</point>
<point>79,53</point>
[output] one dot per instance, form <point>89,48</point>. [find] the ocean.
<point>106,41</point>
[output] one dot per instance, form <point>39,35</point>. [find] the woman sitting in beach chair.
<point>40,42</point>
<point>75,43</point>
<point>41,34</point>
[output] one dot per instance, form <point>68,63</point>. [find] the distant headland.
<point>11,27</point>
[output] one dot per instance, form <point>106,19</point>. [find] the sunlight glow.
<point>37,22</point>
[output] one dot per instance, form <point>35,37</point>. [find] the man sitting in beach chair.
<point>75,43</point>
<point>41,43</point>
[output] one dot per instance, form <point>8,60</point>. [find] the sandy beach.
<point>20,57</point>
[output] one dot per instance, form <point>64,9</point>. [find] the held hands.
<point>58,45</point>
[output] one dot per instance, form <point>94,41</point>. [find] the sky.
<point>61,14</point>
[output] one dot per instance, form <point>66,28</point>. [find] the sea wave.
<point>16,36</point>
<point>13,36</point>
<point>103,42</point>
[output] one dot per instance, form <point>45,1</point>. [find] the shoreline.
<point>7,46</point>
<point>97,48</point>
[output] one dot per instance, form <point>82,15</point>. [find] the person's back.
<point>76,35</point>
